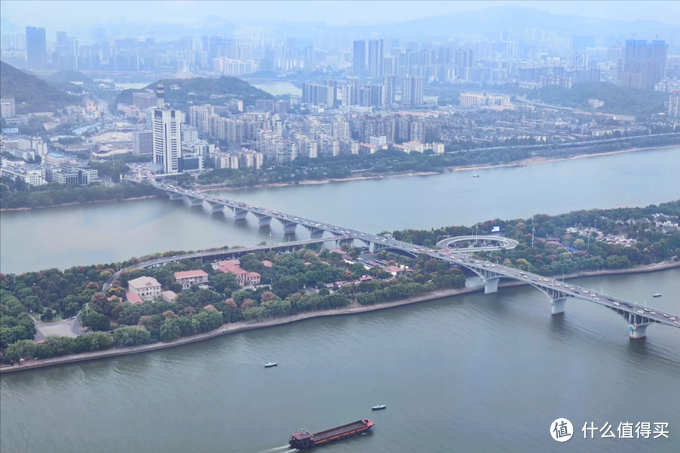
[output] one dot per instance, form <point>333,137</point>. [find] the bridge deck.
<point>456,257</point>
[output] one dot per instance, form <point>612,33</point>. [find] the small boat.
<point>270,364</point>
<point>379,407</point>
<point>657,295</point>
<point>475,176</point>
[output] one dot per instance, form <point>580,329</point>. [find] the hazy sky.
<point>62,14</point>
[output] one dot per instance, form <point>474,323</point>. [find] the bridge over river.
<point>637,317</point>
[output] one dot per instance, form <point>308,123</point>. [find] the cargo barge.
<point>304,440</point>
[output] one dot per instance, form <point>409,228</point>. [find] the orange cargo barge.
<point>304,439</point>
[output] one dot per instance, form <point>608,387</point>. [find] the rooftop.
<point>186,274</point>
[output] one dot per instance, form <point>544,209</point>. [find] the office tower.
<point>390,84</point>
<point>359,59</point>
<point>644,63</point>
<point>166,135</point>
<point>375,58</point>
<point>142,143</point>
<point>36,48</point>
<point>412,90</point>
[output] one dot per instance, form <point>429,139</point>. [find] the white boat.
<point>270,364</point>
<point>657,295</point>
<point>475,176</point>
<point>379,407</point>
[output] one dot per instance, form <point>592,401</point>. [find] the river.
<point>108,232</point>
<point>473,373</point>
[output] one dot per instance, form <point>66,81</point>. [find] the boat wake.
<point>282,448</point>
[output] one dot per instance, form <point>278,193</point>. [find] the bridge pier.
<point>175,196</point>
<point>638,331</point>
<point>288,226</point>
<point>264,221</point>
<point>491,285</point>
<point>240,214</point>
<point>558,305</point>
<point>316,233</point>
<point>195,201</point>
<point>216,208</point>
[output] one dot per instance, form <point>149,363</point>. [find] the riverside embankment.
<point>271,322</point>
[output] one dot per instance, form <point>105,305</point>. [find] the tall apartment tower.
<point>375,58</point>
<point>390,84</point>
<point>412,90</point>
<point>36,48</point>
<point>359,59</point>
<point>644,63</point>
<point>167,144</point>
<point>674,104</point>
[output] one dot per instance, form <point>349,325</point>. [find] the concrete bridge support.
<point>558,305</point>
<point>175,196</point>
<point>195,201</point>
<point>240,214</point>
<point>375,247</point>
<point>288,226</point>
<point>316,234</point>
<point>216,208</point>
<point>491,285</point>
<point>638,331</point>
<point>264,221</point>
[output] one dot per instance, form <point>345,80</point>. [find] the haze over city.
<point>400,226</point>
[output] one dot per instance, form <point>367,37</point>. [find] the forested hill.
<point>617,99</point>
<point>182,93</point>
<point>32,94</point>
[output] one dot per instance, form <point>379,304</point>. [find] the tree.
<point>101,303</point>
<point>23,349</point>
<point>55,346</point>
<point>131,336</point>
<point>93,341</point>
<point>285,285</point>
<point>95,320</point>
<point>170,330</point>
<point>130,315</point>
<point>47,315</point>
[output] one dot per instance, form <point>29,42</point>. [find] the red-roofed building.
<point>243,277</point>
<point>134,298</point>
<point>266,263</point>
<point>395,270</point>
<point>188,278</point>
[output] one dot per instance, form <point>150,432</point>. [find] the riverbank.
<point>351,310</point>
<point>79,202</point>
<point>523,163</point>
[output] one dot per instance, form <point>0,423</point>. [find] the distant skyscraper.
<point>412,90</point>
<point>167,147</point>
<point>359,59</point>
<point>389,81</point>
<point>644,63</point>
<point>375,58</point>
<point>674,104</point>
<point>36,48</point>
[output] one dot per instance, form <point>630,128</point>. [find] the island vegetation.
<point>311,279</point>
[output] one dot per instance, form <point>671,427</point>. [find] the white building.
<point>145,287</point>
<point>167,148</point>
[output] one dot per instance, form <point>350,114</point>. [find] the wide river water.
<point>473,373</point>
